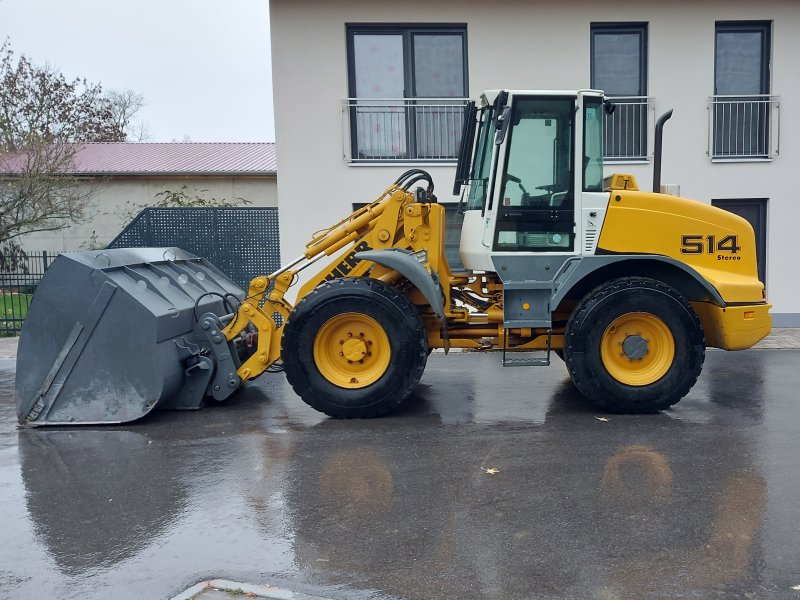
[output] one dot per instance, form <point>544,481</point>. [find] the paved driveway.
<point>702,501</point>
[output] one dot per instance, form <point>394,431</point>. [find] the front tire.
<point>634,345</point>
<point>354,348</point>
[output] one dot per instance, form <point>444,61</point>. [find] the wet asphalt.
<point>702,501</point>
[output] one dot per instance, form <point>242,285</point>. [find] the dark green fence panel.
<point>243,243</point>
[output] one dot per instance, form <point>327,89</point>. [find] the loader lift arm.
<point>394,220</point>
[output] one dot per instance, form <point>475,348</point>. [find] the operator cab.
<point>532,163</point>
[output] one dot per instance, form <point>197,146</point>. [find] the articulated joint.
<point>257,286</point>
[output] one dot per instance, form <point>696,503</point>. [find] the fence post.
<point>44,261</point>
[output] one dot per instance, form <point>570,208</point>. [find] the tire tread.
<point>587,384</point>
<point>365,287</point>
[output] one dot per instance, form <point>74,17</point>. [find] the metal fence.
<point>625,130</point>
<point>402,129</point>
<point>20,274</point>
<point>744,127</point>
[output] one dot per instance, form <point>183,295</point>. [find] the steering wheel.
<point>551,187</point>
<point>518,181</point>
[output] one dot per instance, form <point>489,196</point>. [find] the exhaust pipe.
<point>657,150</point>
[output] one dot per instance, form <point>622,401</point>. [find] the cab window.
<point>482,162</point>
<point>536,211</point>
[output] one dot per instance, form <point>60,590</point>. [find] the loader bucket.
<point>105,339</point>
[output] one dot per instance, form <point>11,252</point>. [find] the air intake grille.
<point>589,240</point>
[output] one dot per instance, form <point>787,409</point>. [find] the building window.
<point>619,68</point>
<point>407,86</point>
<point>743,118</point>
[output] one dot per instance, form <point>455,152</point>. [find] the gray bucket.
<point>108,335</point>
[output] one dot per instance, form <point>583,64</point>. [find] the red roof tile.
<point>126,158</point>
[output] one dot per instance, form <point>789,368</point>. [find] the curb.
<point>243,589</point>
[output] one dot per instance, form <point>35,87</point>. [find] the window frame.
<point>628,27</point>
<point>639,27</point>
<point>759,125</point>
<point>407,31</point>
<point>762,27</point>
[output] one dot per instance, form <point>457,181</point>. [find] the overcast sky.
<point>203,66</point>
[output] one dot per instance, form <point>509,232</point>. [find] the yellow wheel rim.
<point>352,350</point>
<point>637,349</point>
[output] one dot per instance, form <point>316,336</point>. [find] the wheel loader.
<point>629,287</point>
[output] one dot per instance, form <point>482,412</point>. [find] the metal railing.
<point>744,127</point>
<point>625,131</point>
<point>396,129</point>
<point>20,274</point>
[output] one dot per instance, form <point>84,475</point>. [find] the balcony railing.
<point>744,127</point>
<point>625,132</point>
<point>392,129</point>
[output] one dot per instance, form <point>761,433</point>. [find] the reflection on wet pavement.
<point>698,502</point>
<point>111,490</point>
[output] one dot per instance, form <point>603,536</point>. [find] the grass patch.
<point>13,307</point>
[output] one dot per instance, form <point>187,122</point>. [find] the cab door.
<point>535,201</point>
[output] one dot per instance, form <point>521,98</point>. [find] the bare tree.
<point>44,120</point>
<point>124,106</point>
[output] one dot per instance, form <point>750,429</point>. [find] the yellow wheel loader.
<point>628,287</point>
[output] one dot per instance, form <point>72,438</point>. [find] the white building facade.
<point>365,90</point>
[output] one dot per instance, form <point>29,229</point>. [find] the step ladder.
<point>527,358</point>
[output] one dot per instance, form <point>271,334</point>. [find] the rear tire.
<point>354,348</point>
<point>634,345</point>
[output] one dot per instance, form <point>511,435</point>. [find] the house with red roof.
<point>125,176</point>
